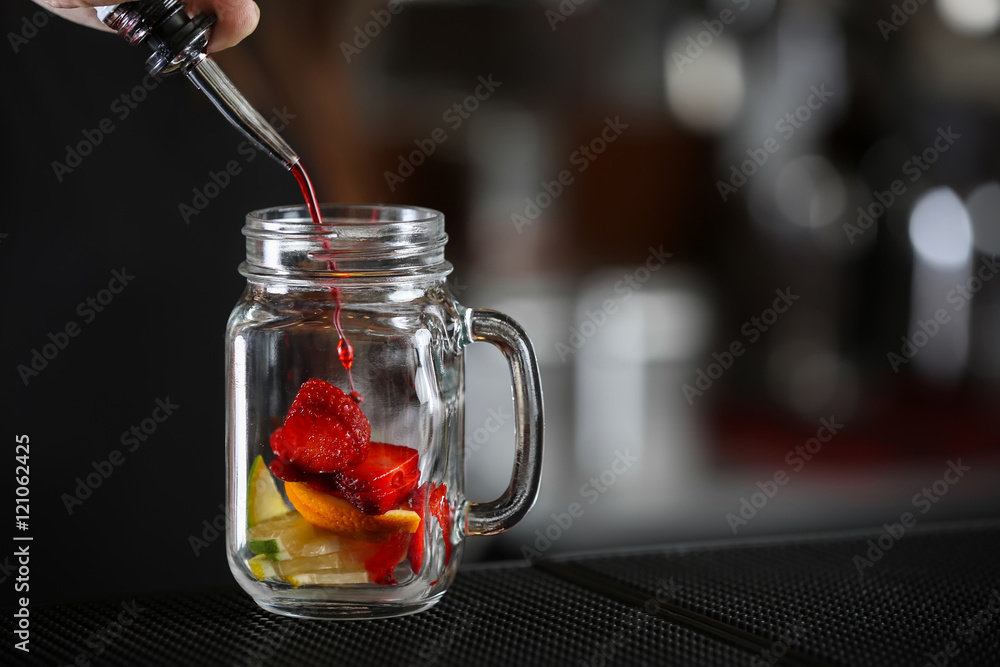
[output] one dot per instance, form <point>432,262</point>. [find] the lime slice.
<point>264,501</point>
<point>291,536</point>
<point>273,549</point>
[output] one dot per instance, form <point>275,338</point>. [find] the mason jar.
<point>345,402</point>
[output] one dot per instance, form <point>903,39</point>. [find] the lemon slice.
<point>264,501</point>
<point>328,578</point>
<point>291,536</point>
<point>334,568</point>
<point>262,568</point>
<point>343,561</point>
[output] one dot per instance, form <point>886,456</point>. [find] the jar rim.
<point>355,241</point>
<point>290,219</point>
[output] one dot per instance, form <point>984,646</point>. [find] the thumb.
<point>81,11</point>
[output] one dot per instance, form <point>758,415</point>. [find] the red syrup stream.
<point>344,348</point>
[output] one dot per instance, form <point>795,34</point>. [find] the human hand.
<point>235,19</point>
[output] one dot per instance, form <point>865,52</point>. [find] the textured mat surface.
<point>888,598</point>
<point>503,616</point>
<point>931,598</point>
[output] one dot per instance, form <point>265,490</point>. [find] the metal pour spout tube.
<point>178,43</point>
<point>210,79</point>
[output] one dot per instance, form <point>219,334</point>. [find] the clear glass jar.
<point>363,526</point>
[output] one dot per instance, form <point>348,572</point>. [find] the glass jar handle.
<point>508,336</point>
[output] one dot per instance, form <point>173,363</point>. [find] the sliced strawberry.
<point>384,480</point>
<point>441,509</point>
<point>390,485</point>
<point>381,565</point>
<point>284,469</point>
<point>415,554</point>
<point>324,431</point>
<point>289,472</point>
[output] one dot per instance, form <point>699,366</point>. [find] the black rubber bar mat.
<point>917,597</point>
<point>892,597</point>
<point>513,615</point>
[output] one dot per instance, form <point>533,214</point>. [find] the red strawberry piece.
<point>384,480</point>
<point>324,431</point>
<point>380,566</point>
<point>415,554</point>
<point>441,509</point>
<point>284,469</point>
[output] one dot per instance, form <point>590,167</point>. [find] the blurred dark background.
<point>822,176</point>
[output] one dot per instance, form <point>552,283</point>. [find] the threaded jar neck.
<point>358,245</point>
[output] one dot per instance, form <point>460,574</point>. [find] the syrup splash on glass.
<point>345,351</point>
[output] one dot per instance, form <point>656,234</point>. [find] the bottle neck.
<point>360,246</point>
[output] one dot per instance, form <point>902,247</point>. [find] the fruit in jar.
<point>384,480</point>
<point>290,536</point>
<point>346,566</point>
<point>324,431</point>
<point>264,501</point>
<point>382,564</point>
<point>328,578</point>
<point>347,559</point>
<point>262,568</point>
<point>436,498</point>
<point>347,486</point>
<point>339,516</point>
<point>441,509</point>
